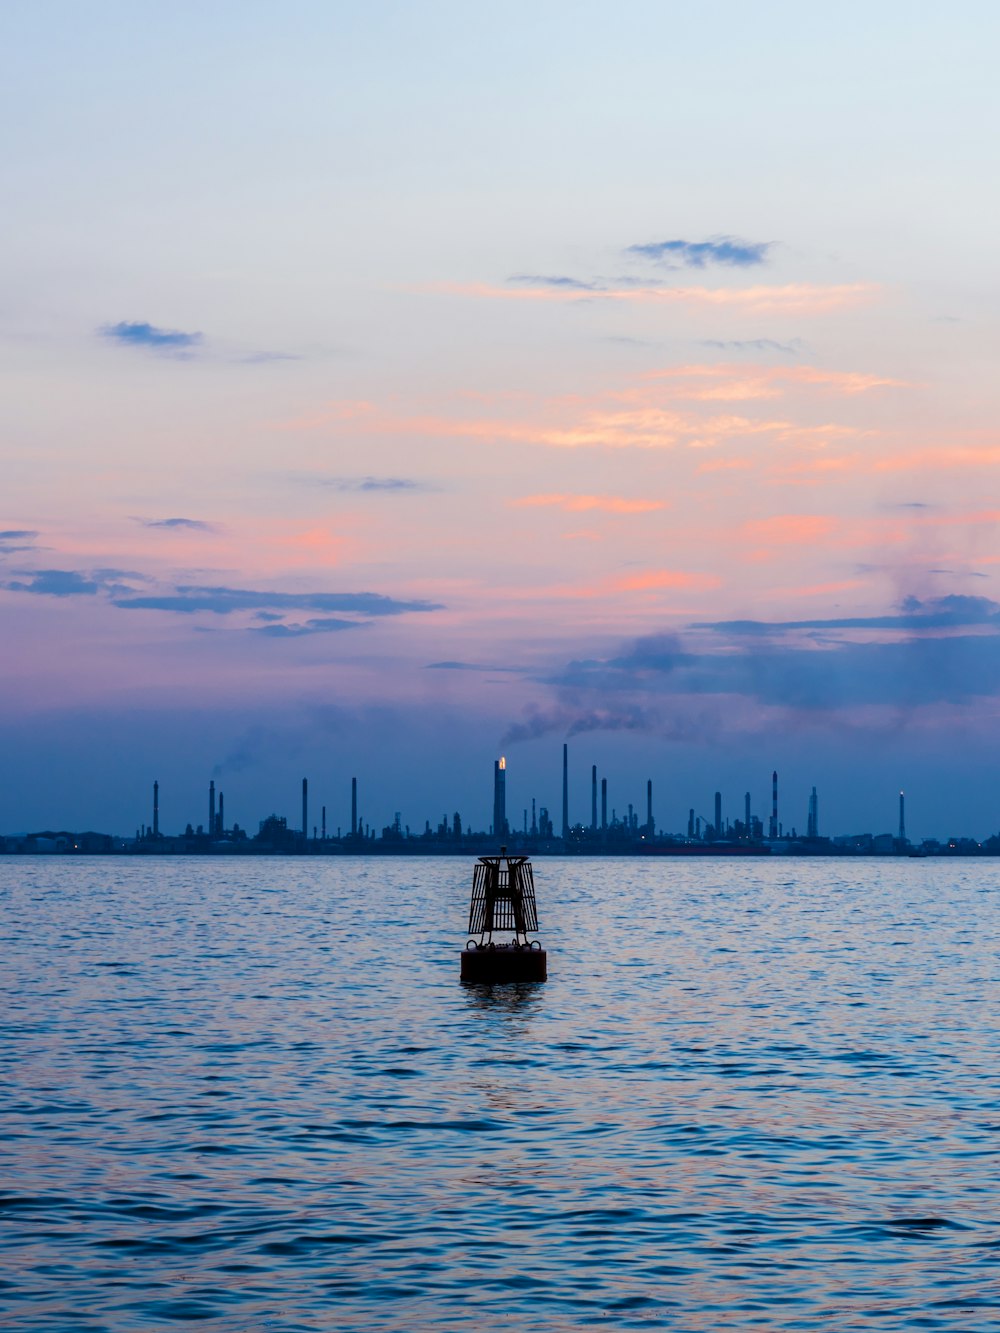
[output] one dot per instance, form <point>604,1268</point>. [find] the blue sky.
<point>347,340</point>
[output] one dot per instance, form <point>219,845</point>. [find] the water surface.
<point>253,1095</point>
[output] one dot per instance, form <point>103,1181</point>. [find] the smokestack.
<point>324,823</point>
<point>305,807</point>
<point>773,828</point>
<point>211,808</point>
<point>220,827</point>
<point>500,797</point>
<point>593,799</point>
<point>902,817</point>
<point>534,819</point>
<point>565,826</point>
<point>354,807</point>
<point>604,803</point>
<point>718,814</point>
<point>649,806</point>
<point>156,809</point>
<point>691,823</point>
<point>749,827</point>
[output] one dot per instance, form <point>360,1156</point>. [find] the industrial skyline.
<point>618,829</point>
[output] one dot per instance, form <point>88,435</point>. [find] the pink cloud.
<point>653,411</point>
<point>738,383</point>
<point>789,528</point>
<point>789,299</point>
<point>657,579</point>
<point>575,504</point>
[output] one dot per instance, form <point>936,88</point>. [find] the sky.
<point>386,387</point>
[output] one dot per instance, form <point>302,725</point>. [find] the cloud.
<point>369,484</point>
<point>56,583</point>
<point>790,299</point>
<point>746,382</point>
<point>754,345</point>
<point>265,358</point>
<point>782,529</point>
<point>225,601</point>
<point>822,680</point>
<point>13,540</point>
<point>473,666</point>
<point>192,524</point>
<point>148,335</point>
<point>954,611</point>
<point>726,250</point>
<point>324,626</point>
<point>659,409</point>
<point>668,685</point>
<point>576,504</point>
<point>559,282</point>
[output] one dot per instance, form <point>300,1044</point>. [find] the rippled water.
<point>254,1095</point>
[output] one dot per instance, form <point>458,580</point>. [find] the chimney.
<point>354,806</point>
<point>211,808</point>
<point>565,821</point>
<point>156,809</point>
<point>649,807</point>
<point>500,797</point>
<point>305,807</point>
<point>593,799</point>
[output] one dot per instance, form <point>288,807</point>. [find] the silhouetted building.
<point>812,823</point>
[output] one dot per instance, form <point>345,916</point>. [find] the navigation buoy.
<point>503,898</point>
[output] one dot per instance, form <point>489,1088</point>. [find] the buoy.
<point>503,899</point>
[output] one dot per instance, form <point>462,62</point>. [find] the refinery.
<point>631,831</point>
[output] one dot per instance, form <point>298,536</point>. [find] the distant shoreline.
<point>681,851</point>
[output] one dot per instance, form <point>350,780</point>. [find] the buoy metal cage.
<point>503,898</point>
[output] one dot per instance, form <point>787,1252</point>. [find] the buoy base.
<point>503,963</point>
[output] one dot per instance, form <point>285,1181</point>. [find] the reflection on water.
<point>750,1096</point>
<point>518,998</point>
